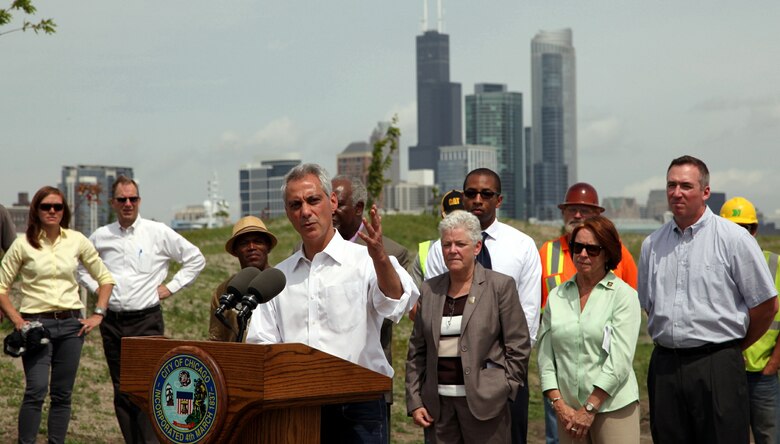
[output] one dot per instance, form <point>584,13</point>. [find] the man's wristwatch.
<point>590,408</point>
<point>100,311</point>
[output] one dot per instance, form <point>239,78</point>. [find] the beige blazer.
<point>494,345</point>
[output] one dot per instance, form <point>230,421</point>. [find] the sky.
<point>180,90</point>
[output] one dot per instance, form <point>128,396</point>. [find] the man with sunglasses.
<point>506,250</point>
<point>580,203</point>
<point>137,252</point>
<point>708,294</point>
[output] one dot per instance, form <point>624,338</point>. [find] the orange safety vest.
<point>557,266</point>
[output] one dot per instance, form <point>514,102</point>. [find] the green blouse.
<point>595,347</point>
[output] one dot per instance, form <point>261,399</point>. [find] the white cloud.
<point>602,135</point>
<point>736,179</point>
<point>274,140</point>
<point>407,121</point>
<point>640,190</point>
<point>278,135</point>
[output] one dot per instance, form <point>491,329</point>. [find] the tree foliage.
<point>381,159</point>
<point>26,7</point>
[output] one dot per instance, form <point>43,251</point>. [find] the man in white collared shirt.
<point>136,251</point>
<point>336,297</point>
<point>509,251</point>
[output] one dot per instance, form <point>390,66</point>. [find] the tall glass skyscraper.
<point>554,105</point>
<point>260,188</point>
<point>494,117</point>
<point>438,101</point>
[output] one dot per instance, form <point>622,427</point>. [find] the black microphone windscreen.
<point>267,284</point>
<point>240,283</point>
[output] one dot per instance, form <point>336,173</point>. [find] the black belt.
<point>135,314</point>
<point>63,314</point>
<point>705,349</point>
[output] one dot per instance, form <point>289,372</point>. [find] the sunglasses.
<point>49,206</point>
<point>593,250</point>
<point>132,199</point>
<point>486,194</point>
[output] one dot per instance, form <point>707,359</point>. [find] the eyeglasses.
<point>48,206</point>
<point>584,211</point>
<point>593,250</point>
<point>471,193</point>
<point>132,199</point>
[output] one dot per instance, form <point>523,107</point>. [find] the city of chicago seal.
<point>185,396</point>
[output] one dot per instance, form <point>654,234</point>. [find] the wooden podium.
<point>254,393</point>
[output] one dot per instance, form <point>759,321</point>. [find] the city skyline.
<point>177,94</point>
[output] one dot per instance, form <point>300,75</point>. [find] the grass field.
<point>186,317</point>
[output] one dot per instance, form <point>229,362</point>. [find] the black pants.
<point>355,423</point>
<point>699,395</point>
<point>134,423</point>
<point>52,370</point>
<point>519,410</point>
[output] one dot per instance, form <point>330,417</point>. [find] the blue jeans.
<point>355,422</point>
<point>550,423</point>
<point>59,360</point>
<point>764,393</point>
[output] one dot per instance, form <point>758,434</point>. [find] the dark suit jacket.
<point>494,345</point>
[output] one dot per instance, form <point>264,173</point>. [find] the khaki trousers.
<point>619,426</point>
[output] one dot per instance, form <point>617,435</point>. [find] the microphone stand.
<point>242,321</point>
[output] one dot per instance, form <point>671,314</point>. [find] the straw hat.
<point>248,224</point>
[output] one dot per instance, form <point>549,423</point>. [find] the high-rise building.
<point>438,99</point>
<point>20,212</point>
<point>657,205</point>
<point>394,173</point>
<point>260,188</point>
<point>413,196</point>
<point>87,188</point>
<point>494,117</point>
<point>354,160</point>
<point>716,200</point>
<point>554,105</point>
<point>455,162</point>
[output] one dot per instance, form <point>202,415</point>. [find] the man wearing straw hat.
<point>251,243</point>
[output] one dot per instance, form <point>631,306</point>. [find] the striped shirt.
<point>450,368</point>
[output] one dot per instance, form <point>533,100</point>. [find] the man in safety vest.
<point>763,357</point>
<point>451,200</point>
<point>581,202</point>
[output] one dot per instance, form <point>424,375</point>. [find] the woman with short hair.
<point>47,259</point>
<point>469,349</point>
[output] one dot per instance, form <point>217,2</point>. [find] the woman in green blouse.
<point>587,342</point>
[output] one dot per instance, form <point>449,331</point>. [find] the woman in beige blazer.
<point>469,350</point>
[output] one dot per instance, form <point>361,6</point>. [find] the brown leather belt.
<point>63,314</point>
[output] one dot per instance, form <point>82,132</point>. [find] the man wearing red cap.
<point>581,202</point>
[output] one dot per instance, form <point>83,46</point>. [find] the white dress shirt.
<point>512,253</point>
<point>138,258</point>
<point>333,303</point>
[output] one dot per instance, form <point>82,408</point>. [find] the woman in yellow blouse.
<point>587,342</point>
<point>46,259</point>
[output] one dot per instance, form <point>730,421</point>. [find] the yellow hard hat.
<point>739,210</point>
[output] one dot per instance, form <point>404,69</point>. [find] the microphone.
<point>264,287</point>
<point>236,289</point>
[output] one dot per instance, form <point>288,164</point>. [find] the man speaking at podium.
<point>336,297</point>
